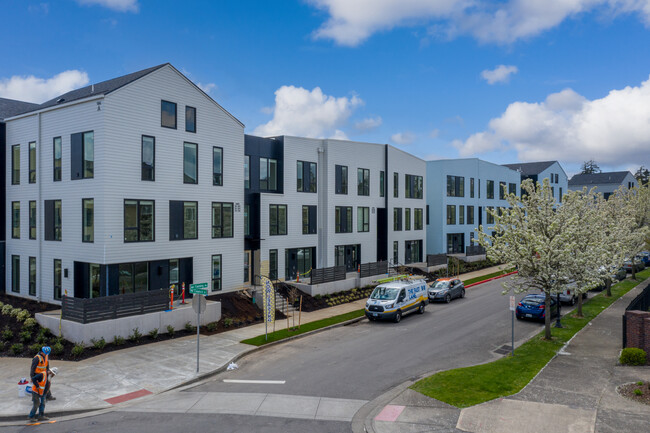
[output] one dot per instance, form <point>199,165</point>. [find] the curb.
<point>491,279</point>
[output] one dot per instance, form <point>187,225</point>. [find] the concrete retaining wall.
<point>83,333</point>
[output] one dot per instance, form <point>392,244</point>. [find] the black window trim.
<point>175,114</point>
<point>214,182</point>
<point>197,163</point>
<point>277,219</point>
<point>29,161</point>
<point>195,127</point>
<point>54,179</point>
<point>153,222</point>
<point>232,222</point>
<point>153,165</point>
<point>83,202</point>
<point>13,164</point>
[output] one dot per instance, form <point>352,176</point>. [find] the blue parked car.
<point>532,307</point>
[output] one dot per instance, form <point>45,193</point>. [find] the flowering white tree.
<point>535,236</point>
<point>637,206</point>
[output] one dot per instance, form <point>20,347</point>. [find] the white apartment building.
<point>605,183</point>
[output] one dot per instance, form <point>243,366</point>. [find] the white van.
<point>394,299</point>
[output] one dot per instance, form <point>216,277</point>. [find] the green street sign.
<point>199,289</point>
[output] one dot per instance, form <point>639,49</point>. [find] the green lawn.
<point>464,387</point>
<point>305,327</point>
<point>486,277</point>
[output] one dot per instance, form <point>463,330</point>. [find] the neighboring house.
<point>123,186</point>
<point>538,171</point>
<point>605,183</point>
<point>313,203</point>
<point>459,191</point>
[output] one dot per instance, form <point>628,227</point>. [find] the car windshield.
<point>384,293</point>
<point>533,301</point>
<point>441,285</point>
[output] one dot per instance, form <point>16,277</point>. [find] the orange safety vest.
<point>41,368</point>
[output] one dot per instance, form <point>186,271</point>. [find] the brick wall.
<point>638,329</point>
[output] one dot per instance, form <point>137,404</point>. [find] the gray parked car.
<point>446,289</point>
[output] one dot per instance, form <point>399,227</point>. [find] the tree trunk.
<point>608,284</point>
<point>547,318</point>
<point>579,313</point>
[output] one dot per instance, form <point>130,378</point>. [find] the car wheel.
<point>421,308</point>
<point>448,298</point>
<point>398,316</point>
<point>573,300</point>
<point>462,293</point>
<point>518,317</point>
<point>371,318</point>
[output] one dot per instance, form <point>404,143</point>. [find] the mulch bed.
<point>628,392</point>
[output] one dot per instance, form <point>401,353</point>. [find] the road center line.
<point>268,382</point>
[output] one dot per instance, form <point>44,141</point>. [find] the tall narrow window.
<point>88,220</point>
<point>397,219</point>
<point>309,220</point>
<point>57,153</point>
<point>52,220</point>
<point>32,220</point>
<point>94,279</point>
<point>471,187</point>
<point>190,119</point>
<point>490,189</point>
<point>278,219</point>
<point>15,219</point>
<point>247,266</point>
<point>273,264</point>
<point>489,217</point>
<point>343,219</point>
<point>414,186</point>
<point>168,114</point>
<point>461,214</point>
<point>190,220</point>
<point>512,188</point>
<point>15,274</point>
<point>216,272</point>
<point>363,181</point>
<point>417,219</point>
<point>306,176</point>
<point>451,214</point>
<point>222,220</point>
<point>58,220</point>
<point>502,191</point>
<point>560,198</point>
<point>15,164</point>
<point>363,219</point>
<point>247,221</point>
<point>470,214</point>
<point>32,162</point>
<point>173,271</point>
<point>57,278</point>
<point>217,166</point>
<point>382,184</point>
<point>407,219</point>
<point>395,252</point>
<point>88,157</point>
<point>268,174</point>
<point>138,220</point>
<point>32,276</point>
<point>190,163</point>
<point>247,171</point>
<point>341,179</point>
<point>395,184</point>
<point>148,157</point>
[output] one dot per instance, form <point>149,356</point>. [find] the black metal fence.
<point>474,250</point>
<point>84,310</point>
<point>436,259</point>
<point>327,275</point>
<point>641,302</point>
<point>374,268</point>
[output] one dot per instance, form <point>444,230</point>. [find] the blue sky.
<point>506,81</point>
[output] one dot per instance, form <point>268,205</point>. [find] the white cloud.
<point>302,112</point>
<point>613,130</point>
<point>434,133</point>
<point>500,74</point>
<point>207,88</point>
<point>368,124</point>
<point>351,22</point>
<point>39,8</point>
<point>116,5</point>
<point>33,89</point>
<point>403,138</point>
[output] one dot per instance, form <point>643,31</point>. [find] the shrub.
<point>633,356</point>
<point>189,327</point>
<point>154,333</point>
<point>57,348</point>
<point>14,312</point>
<point>16,348</point>
<point>25,336</point>
<point>118,341</point>
<point>6,309</point>
<point>212,326</point>
<point>23,315</point>
<point>638,392</point>
<point>170,330</point>
<point>77,350</point>
<point>227,322</point>
<point>7,334</point>
<point>43,336</point>
<point>34,348</point>
<point>639,383</point>
<point>98,344</point>
<point>135,336</point>
<point>29,323</point>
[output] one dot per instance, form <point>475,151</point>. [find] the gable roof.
<point>530,168</point>
<point>11,107</point>
<point>612,177</point>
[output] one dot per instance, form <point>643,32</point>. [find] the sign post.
<point>512,309</point>
<point>199,305</point>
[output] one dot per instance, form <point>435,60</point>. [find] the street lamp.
<point>557,321</point>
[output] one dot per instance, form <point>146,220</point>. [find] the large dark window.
<point>413,186</point>
<point>363,219</point>
<point>222,218</point>
<point>190,163</point>
<point>88,220</point>
<point>268,174</point>
<point>190,119</point>
<point>309,220</point>
<point>32,276</point>
<point>278,219</point>
<point>32,220</point>
<point>451,214</point>
<point>217,166</point>
<point>183,220</point>
<point>247,171</point>
<point>82,155</point>
<point>471,187</point>
<point>397,219</point>
<point>363,181</point>
<point>273,264</point>
<point>502,190</point>
<point>32,162</point>
<point>168,114</point>
<point>417,219</point>
<point>216,272</point>
<point>53,220</point>
<point>148,157</point>
<point>461,214</point>
<point>489,217</point>
<point>512,188</point>
<point>88,155</point>
<point>15,219</point>
<point>490,189</point>
<point>343,219</point>
<point>455,186</point>
<point>470,214</point>
<point>382,184</point>
<point>15,274</point>
<point>138,220</point>
<point>190,220</point>
<point>395,184</point>
<point>15,164</point>
<point>57,278</point>
<point>407,219</point>
<point>395,252</point>
<point>57,153</point>
<point>134,277</point>
<point>341,182</point>
<point>306,176</point>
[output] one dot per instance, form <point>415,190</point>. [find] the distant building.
<point>538,171</point>
<point>605,183</point>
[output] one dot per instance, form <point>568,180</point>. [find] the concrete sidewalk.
<point>575,392</point>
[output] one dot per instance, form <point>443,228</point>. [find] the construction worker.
<point>39,375</point>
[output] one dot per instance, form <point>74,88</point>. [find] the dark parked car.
<point>645,257</point>
<point>627,265</point>
<point>446,289</point>
<point>532,307</point>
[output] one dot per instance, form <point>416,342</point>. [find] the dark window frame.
<point>57,172</point>
<point>306,181</point>
<point>217,172</point>
<point>196,165</point>
<point>143,167</point>
<point>363,219</point>
<point>32,219</point>
<point>15,273</point>
<point>455,186</point>
<point>363,181</point>
<point>15,220</point>
<point>512,188</point>
<point>190,109</point>
<point>219,279</point>
<point>277,229</point>
<point>223,220</point>
<point>247,221</point>
<point>413,186</point>
<point>273,264</point>
<point>341,179</point>
<point>470,214</point>
<point>489,218</point>
<point>395,184</point>
<point>418,219</point>
<point>265,183</point>
<point>162,123</point>
<point>84,166</point>
<point>471,187</point>
<point>15,164</point>
<point>345,219</point>
<point>138,227</point>
<point>196,223</point>
<point>489,189</point>
<point>451,214</point>
<point>83,220</point>
<point>309,227</point>
<point>502,190</point>
<point>407,218</point>
<point>397,219</point>
<point>461,214</point>
<point>247,171</point>
<point>382,183</point>
<point>57,279</point>
<point>31,276</point>
<point>31,159</point>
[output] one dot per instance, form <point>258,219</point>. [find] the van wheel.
<point>448,298</point>
<point>398,316</point>
<point>421,308</point>
<point>462,293</point>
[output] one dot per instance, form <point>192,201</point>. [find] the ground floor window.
<point>299,260</point>
<point>348,256</point>
<point>395,253</point>
<point>134,277</point>
<point>216,272</point>
<point>413,251</point>
<point>273,264</point>
<point>57,278</point>
<point>94,282</point>
<point>15,274</point>
<point>455,243</point>
<point>32,276</point>
<point>247,266</point>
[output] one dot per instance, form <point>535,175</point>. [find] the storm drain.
<point>503,350</point>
